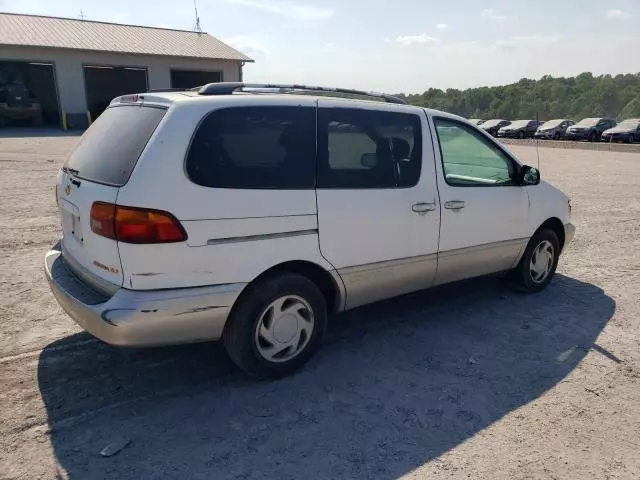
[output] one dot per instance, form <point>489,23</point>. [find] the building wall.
<point>70,76</point>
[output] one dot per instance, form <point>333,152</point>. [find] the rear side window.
<point>110,148</point>
<point>360,148</point>
<point>255,147</point>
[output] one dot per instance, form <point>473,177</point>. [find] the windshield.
<point>519,123</point>
<point>110,148</point>
<point>551,124</point>
<point>588,122</point>
<point>491,123</point>
<point>629,124</point>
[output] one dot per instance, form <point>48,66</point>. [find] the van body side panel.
<point>234,234</point>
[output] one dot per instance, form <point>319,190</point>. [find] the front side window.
<point>470,159</point>
<point>255,147</point>
<point>360,148</point>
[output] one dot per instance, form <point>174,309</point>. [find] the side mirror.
<point>369,160</point>
<point>529,175</point>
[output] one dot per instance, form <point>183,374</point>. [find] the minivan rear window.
<point>110,148</point>
<point>262,147</point>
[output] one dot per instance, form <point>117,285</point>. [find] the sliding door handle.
<point>454,205</point>
<point>423,207</point>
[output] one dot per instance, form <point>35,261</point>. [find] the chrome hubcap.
<point>541,261</point>
<point>284,328</point>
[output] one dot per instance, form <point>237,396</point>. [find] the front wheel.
<point>538,264</point>
<point>556,136</point>
<point>277,326</point>
<point>593,137</point>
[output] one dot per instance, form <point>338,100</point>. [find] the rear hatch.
<point>101,163</point>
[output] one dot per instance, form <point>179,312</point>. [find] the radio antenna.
<point>538,141</point>
<point>196,27</point>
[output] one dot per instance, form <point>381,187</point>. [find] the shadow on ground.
<point>397,384</point>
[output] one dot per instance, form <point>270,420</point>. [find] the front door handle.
<point>454,204</point>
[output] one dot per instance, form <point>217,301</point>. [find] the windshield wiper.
<point>72,171</point>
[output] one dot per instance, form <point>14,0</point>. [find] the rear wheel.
<point>539,262</point>
<point>556,136</point>
<point>593,137</point>
<point>630,138</point>
<point>277,326</point>
<point>521,134</point>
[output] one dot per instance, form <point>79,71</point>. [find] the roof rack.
<point>227,88</point>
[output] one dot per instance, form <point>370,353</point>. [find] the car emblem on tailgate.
<point>67,189</point>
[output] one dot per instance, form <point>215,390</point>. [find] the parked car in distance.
<point>589,129</point>
<point>476,121</point>
<point>554,129</point>
<point>626,131</point>
<point>204,215</point>
<point>492,126</point>
<point>519,129</point>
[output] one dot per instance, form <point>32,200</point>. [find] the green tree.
<point>550,97</point>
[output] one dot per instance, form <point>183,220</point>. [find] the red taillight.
<point>135,225</point>
<point>129,98</point>
<point>103,218</point>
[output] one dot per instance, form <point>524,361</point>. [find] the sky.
<point>394,45</point>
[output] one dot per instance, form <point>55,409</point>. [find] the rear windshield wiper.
<point>72,171</point>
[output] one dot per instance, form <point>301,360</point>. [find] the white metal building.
<point>72,68</point>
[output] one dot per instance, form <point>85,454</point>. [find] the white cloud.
<point>408,40</point>
<point>442,26</point>
<point>618,15</point>
<point>246,44</point>
<point>491,14</point>
<point>293,10</point>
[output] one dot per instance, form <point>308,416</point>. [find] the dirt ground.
<point>467,381</point>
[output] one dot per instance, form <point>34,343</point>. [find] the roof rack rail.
<point>227,88</point>
<point>160,90</point>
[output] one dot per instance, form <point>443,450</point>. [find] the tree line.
<point>577,97</point>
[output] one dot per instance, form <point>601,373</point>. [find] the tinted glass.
<point>492,123</point>
<point>368,149</point>
<point>588,122</point>
<point>255,147</point>
<point>110,148</point>
<point>551,123</point>
<point>521,123</point>
<point>470,159</point>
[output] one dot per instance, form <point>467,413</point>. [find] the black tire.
<point>522,277</point>
<point>521,135</point>
<point>239,337</point>
<point>630,138</point>
<point>556,136</point>
<point>593,137</point>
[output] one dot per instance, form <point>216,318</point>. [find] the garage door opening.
<point>28,94</point>
<point>193,78</point>
<point>103,84</point>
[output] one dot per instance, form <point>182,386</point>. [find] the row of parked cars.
<point>591,129</point>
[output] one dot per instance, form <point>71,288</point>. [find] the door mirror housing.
<point>529,176</point>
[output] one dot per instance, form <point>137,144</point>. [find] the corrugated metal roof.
<point>54,32</point>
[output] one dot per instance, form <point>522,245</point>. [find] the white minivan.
<point>249,213</point>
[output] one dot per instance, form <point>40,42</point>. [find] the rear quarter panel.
<point>214,218</point>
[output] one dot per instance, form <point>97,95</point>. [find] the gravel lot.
<point>466,381</point>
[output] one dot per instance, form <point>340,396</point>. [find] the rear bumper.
<point>142,318</point>
<point>548,135</point>
<point>578,135</point>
